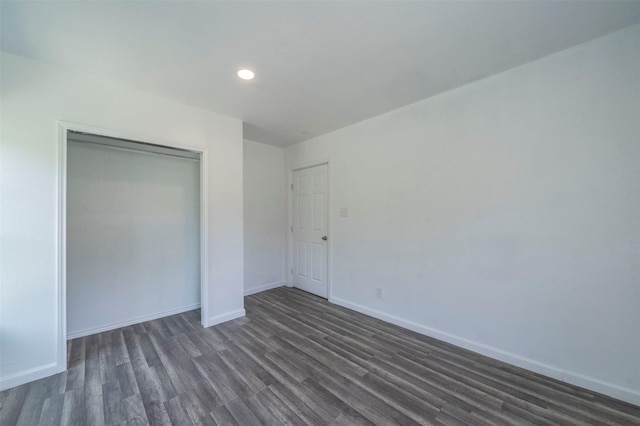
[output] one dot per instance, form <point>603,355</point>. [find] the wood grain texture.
<point>294,359</point>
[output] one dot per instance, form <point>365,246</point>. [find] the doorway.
<point>310,230</point>
<point>133,232</point>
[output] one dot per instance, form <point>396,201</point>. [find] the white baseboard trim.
<point>29,375</point>
<point>625,394</point>
<point>137,320</point>
<point>261,288</point>
<point>219,319</point>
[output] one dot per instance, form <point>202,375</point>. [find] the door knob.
<point>324,238</point>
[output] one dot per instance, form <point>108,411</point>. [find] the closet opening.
<point>133,233</point>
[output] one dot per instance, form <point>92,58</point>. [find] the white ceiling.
<point>320,65</point>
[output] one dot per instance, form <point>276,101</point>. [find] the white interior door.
<point>310,230</point>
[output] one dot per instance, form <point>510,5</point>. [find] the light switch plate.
<point>344,212</point>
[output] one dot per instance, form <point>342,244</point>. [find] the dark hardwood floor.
<point>294,359</point>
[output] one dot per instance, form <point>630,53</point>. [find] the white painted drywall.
<point>503,216</point>
<point>133,237</point>
<point>34,97</point>
<point>265,217</point>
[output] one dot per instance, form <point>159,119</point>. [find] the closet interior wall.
<point>133,233</point>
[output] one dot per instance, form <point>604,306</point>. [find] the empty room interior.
<point>324,213</point>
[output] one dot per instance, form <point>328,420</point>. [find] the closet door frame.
<point>61,285</point>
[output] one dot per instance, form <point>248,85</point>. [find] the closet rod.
<point>130,145</point>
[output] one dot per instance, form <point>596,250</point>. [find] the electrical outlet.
<point>344,212</point>
<point>378,291</point>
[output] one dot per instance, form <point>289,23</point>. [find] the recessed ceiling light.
<point>246,74</point>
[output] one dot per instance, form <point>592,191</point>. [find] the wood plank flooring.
<point>294,359</point>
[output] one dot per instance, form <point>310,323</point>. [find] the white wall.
<point>34,96</point>
<point>133,237</point>
<point>264,217</point>
<point>503,216</point>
